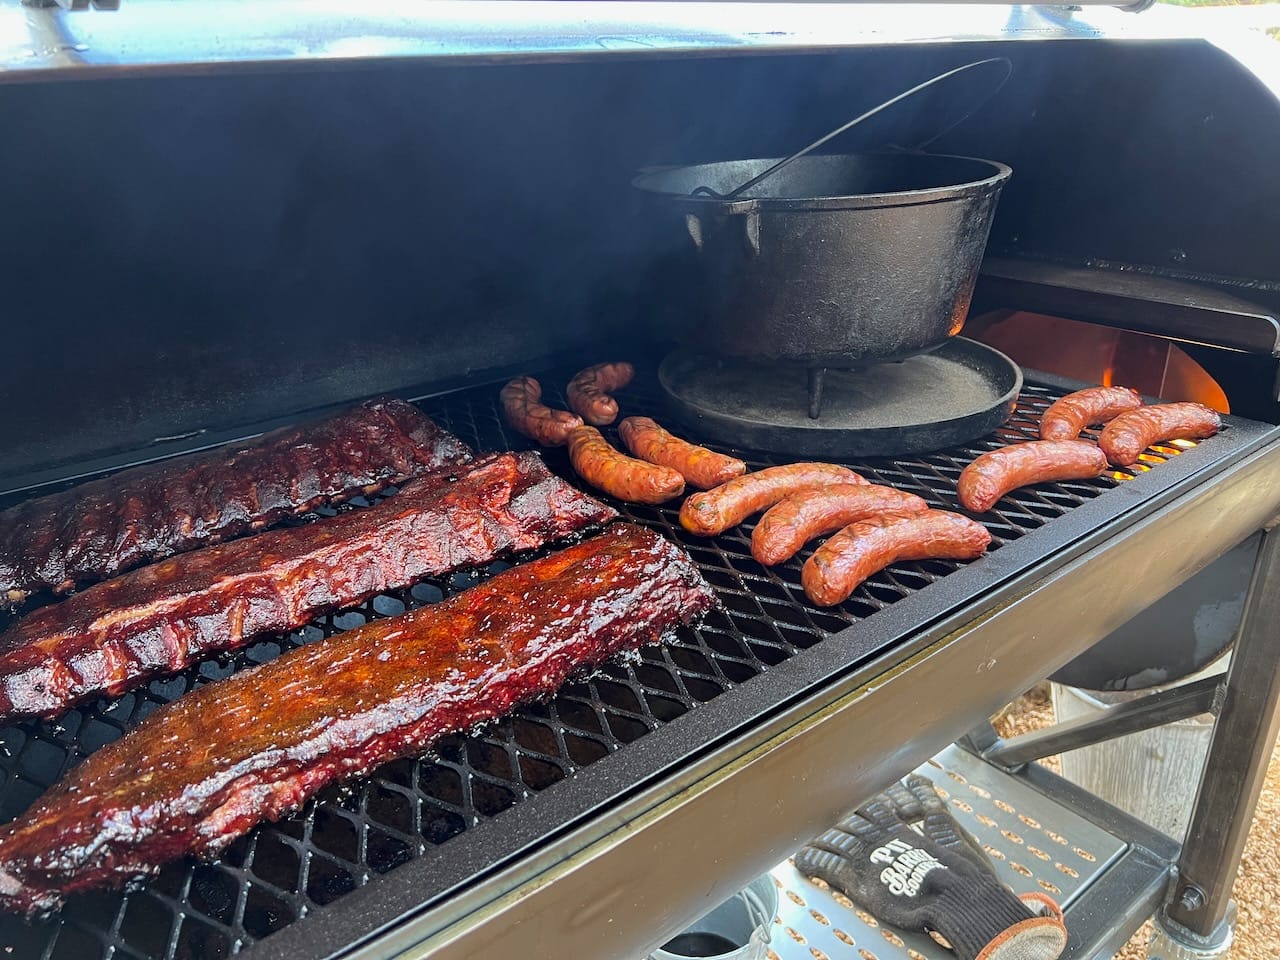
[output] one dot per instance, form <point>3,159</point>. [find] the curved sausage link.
<point>1065,418</point>
<point>589,390</point>
<point>791,523</point>
<point>523,411</point>
<point>619,475</point>
<point>840,565</point>
<point>1124,438</point>
<point>701,467</point>
<point>715,511</point>
<point>994,474</point>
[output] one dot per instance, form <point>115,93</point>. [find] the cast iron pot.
<point>836,260</point>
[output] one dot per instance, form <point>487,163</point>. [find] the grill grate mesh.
<point>354,832</point>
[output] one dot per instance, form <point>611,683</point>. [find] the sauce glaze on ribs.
<point>164,617</point>
<point>204,769</point>
<point>97,529</point>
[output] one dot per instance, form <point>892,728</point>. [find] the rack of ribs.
<point>162,618</point>
<point>98,529</point>
<point>204,769</point>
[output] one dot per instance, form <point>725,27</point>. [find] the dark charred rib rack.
<point>423,813</point>
<point>165,617</point>
<point>202,771</point>
<point>135,516</point>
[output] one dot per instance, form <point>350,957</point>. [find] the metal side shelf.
<point>1107,870</point>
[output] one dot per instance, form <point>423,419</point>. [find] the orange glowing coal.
<point>1094,354</point>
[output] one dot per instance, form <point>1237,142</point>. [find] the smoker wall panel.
<point>202,252</point>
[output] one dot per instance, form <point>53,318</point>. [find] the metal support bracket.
<point>1140,302</point>
<point>1154,710</point>
<point>980,739</point>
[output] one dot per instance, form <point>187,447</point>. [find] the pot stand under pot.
<point>961,391</point>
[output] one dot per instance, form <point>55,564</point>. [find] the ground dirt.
<point>1258,884</point>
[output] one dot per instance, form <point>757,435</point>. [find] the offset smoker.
<point>621,809</point>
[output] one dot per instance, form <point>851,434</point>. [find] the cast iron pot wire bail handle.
<point>1002,61</point>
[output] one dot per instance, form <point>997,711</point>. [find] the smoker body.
<point>193,254</point>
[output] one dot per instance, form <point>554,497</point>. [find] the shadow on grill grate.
<point>354,832</point>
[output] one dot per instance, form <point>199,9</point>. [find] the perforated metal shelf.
<point>1034,844</point>
<point>413,809</point>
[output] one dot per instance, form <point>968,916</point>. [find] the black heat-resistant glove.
<point>937,880</point>
<point>917,804</point>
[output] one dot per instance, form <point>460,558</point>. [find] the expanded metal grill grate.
<point>354,832</point>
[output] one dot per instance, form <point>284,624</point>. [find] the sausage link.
<point>589,390</point>
<point>715,511</point>
<point>791,523</point>
<point>1125,438</point>
<point>619,475</point>
<point>701,467</point>
<point>994,474</point>
<point>520,405</point>
<point>1065,418</point>
<point>840,565</point>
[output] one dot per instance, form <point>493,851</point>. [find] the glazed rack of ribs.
<point>259,744</point>
<point>100,528</point>
<point>163,618</point>
<point>407,836</point>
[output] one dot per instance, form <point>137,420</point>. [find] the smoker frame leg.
<point>1170,941</point>
<point>1236,765</point>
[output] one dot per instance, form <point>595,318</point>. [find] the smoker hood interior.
<point>158,36</point>
<point>186,255</point>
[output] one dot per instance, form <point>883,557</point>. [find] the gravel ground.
<point>1258,884</point>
